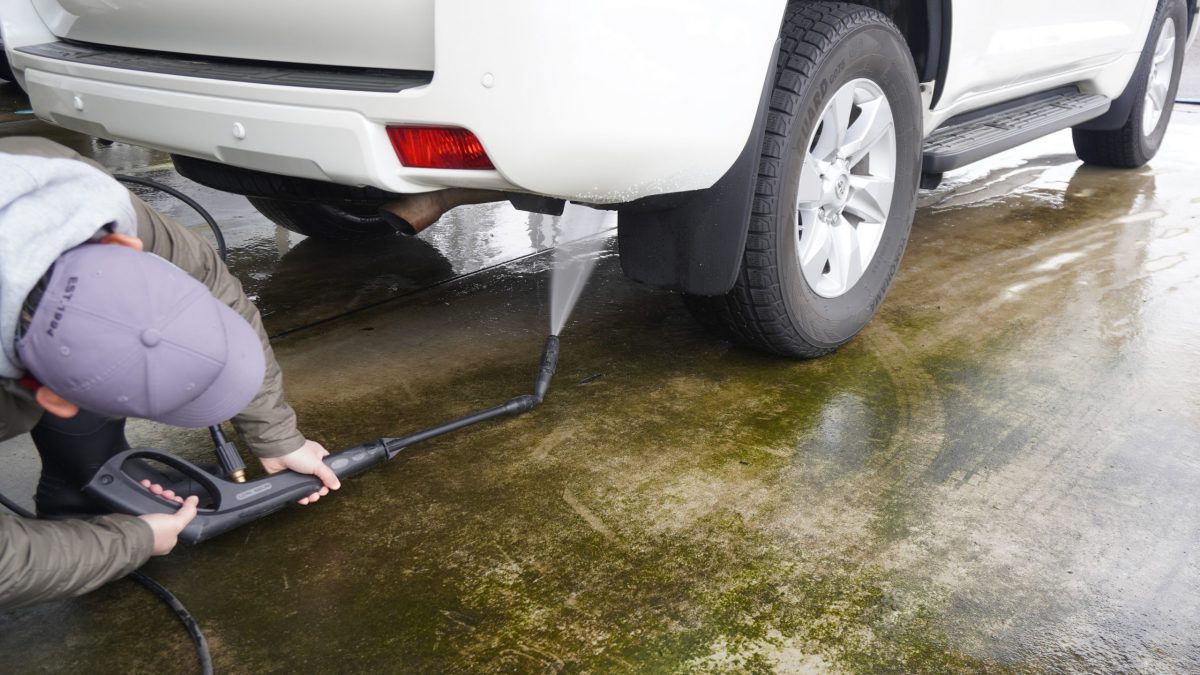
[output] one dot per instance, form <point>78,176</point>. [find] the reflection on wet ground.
<point>998,474</point>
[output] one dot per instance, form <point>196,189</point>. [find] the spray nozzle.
<point>546,370</point>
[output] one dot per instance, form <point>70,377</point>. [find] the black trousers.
<point>72,451</point>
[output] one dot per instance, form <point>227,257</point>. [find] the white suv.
<point>764,156</point>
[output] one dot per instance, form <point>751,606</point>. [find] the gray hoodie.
<point>268,424</point>
<point>34,191</point>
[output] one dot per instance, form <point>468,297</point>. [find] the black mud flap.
<point>696,245</point>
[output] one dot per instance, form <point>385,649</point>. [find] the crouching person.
<point>109,310</point>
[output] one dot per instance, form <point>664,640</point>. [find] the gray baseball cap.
<point>128,334</point>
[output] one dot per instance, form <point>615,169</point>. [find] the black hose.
<point>185,617</point>
<point>15,508</point>
<point>181,612</point>
<point>230,462</point>
<point>212,223</point>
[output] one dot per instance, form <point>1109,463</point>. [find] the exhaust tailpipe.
<point>416,212</point>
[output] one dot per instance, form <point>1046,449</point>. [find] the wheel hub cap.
<point>846,183</point>
<point>838,180</point>
<point>835,192</point>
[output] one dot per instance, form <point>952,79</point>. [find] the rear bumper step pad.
<point>236,70</point>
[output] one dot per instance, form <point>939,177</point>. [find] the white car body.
<point>601,101</point>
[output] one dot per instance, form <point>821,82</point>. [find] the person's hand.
<point>306,460</point>
<point>167,526</point>
<point>161,491</point>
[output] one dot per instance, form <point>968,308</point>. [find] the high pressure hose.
<point>212,222</point>
<point>229,459</point>
<point>185,617</point>
<point>227,456</point>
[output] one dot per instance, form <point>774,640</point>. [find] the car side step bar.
<point>982,133</point>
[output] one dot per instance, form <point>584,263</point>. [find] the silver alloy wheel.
<point>846,185</point>
<point>1162,69</point>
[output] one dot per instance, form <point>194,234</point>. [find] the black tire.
<point>1130,145</point>
<point>771,307</point>
<point>339,221</point>
<point>6,72</point>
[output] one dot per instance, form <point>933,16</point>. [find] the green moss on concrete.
<point>493,571</point>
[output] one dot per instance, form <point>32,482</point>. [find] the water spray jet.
<point>574,258</point>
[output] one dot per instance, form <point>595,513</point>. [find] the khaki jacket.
<point>51,559</point>
<point>43,560</point>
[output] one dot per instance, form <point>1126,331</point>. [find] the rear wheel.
<point>333,221</point>
<point>1155,83</point>
<point>836,188</point>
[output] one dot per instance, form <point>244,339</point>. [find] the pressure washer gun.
<point>228,503</point>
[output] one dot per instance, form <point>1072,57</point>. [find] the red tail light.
<point>438,148</point>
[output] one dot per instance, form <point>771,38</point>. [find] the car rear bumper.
<point>322,143</point>
<point>600,103</point>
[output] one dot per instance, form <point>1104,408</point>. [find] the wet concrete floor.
<point>1000,474</point>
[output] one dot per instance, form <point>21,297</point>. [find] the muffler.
<point>418,211</point>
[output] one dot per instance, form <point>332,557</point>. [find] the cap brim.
<point>238,383</point>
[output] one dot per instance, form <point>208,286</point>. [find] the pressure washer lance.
<point>230,504</point>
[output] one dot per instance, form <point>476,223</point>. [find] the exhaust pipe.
<point>418,211</point>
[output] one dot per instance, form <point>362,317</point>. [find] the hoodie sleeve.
<point>268,424</point>
<point>42,560</point>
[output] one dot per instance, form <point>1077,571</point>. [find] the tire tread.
<point>1126,147</point>
<point>753,312</point>
<point>320,221</point>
